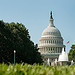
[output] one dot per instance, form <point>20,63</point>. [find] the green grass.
<point>26,69</point>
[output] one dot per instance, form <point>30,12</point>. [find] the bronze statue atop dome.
<point>51,15</point>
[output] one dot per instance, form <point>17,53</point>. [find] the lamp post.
<point>14,56</point>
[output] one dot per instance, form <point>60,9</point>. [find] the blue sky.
<point>34,14</point>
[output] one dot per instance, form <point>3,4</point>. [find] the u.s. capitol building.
<point>51,42</point>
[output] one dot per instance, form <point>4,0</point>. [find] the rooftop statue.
<point>51,15</point>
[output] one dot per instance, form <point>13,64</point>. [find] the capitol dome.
<point>51,42</point>
<point>51,31</point>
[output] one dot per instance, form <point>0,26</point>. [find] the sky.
<point>35,14</point>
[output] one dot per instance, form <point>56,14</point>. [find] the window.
<point>53,41</point>
<point>51,50</point>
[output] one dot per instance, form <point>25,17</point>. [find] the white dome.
<point>63,56</point>
<point>51,42</point>
<point>52,31</point>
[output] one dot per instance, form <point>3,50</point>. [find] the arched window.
<point>51,50</point>
<point>56,49</point>
<point>55,41</point>
<point>45,41</point>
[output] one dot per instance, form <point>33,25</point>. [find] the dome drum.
<point>40,46</point>
<point>45,42</point>
<point>48,37</point>
<point>50,49</point>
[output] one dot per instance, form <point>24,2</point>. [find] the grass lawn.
<point>36,69</point>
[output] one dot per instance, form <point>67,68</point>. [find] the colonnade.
<point>51,49</point>
<point>51,42</point>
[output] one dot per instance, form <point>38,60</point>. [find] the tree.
<point>16,37</point>
<point>38,57</point>
<point>71,54</point>
<point>5,43</point>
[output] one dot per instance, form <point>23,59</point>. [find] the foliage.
<point>36,69</point>
<point>16,37</point>
<point>72,53</point>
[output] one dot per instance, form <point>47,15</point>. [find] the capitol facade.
<point>51,42</point>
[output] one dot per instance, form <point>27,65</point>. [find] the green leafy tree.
<point>72,53</point>
<point>5,43</point>
<point>16,37</point>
